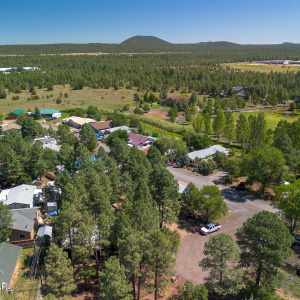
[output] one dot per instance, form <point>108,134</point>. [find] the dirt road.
<point>241,207</point>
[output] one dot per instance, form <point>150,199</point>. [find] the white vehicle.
<point>209,228</point>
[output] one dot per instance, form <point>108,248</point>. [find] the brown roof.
<point>101,125</point>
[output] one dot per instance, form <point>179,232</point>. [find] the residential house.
<point>139,141</point>
<point>25,222</point>
<point>77,122</point>
<point>240,91</point>
<point>7,127</point>
<point>110,130</point>
<point>22,196</point>
<point>170,101</point>
<point>49,112</point>
<point>49,142</point>
<point>14,115</point>
<point>98,127</point>
<point>9,256</point>
<point>206,153</point>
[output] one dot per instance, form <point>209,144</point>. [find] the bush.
<point>126,107</point>
<point>207,167</point>
<point>146,107</point>
<point>15,98</point>
<point>138,111</point>
<point>155,134</point>
<point>58,101</point>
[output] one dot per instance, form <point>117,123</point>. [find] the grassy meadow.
<point>246,66</point>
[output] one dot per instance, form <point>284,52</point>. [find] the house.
<point>98,127</point>
<point>110,130</point>
<point>24,223</point>
<point>206,153</point>
<point>240,91</point>
<point>77,122</point>
<point>9,256</point>
<point>14,115</point>
<point>7,127</point>
<point>139,141</point>
<point>22,196</point>
<point>53,147</point>
<point>49,112</point>
<point>50,143</point>
<point>170,101</point>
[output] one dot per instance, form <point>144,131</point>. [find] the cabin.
<point>206,153</point>
<point>14,114</point>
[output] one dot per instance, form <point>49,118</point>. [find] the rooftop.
<point>20,194</point>
<point>23,219</point>
<point>203,153</point>
<point>9,256</point>
<point>6,127</point>
<point>80,120</point>
<point>136,139</point>
<point>52,147</point>
<point>101,125</point>
<point>47,111</point>
<point>125,128</point>
<point>16,112</point>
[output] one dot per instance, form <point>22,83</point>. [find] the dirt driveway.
<point>241,207</point>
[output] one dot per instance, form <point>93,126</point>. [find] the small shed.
<point>52,206</point>
<point>45,230</point>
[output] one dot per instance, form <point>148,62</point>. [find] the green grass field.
<point>246,66</point>
<point>271,118</point>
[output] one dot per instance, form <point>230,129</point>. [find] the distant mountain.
<point>287,43</point>
<point>146,40</point>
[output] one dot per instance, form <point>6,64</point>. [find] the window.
<point>22,236</point>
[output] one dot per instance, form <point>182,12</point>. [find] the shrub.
<point>58,101</point>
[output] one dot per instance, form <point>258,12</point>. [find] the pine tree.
<point>197,123</point>
<point>207,123</point>
<point>242,130</point>
<point>219,122</point>
<point>37,114</point>
<point>229,128</point>
<point>113,282</point>
<point>6,222</point>
<point>58,273</point>
<point>222,258</point>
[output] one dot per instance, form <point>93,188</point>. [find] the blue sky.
<point>189,21</point>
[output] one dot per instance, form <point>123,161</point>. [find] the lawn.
<point>271,118</point>
<point>246,66</point>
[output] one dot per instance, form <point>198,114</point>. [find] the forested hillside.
<point>184,72</point>
<point>155,45</point>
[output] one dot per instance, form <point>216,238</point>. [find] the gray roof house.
<point>24,221</point>
<point>206,153</point>
<point>9,256</point>
<point>240,91</point>
<point>22,196</point>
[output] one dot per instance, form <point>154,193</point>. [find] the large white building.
<point>206,153</point>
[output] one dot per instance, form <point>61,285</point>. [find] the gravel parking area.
<point>241,207</point>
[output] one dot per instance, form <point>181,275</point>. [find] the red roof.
<point>137,140</point>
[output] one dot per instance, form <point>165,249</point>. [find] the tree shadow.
<point>190,223</point>
<point>234,195</point>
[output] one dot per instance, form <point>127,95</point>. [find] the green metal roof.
<point>48,111</point>
<point>16,112</point>
<point>9,256</point>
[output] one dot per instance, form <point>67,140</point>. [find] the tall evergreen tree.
<point>229,128</point>
<point>58,273</point>
<point>219,122</point>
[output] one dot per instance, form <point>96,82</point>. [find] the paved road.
<point>241,207</point>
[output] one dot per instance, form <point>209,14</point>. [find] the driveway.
<point>241,207</point>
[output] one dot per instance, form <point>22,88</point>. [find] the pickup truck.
<point>209,228</point>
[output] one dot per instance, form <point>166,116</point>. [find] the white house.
<point>206,153</point>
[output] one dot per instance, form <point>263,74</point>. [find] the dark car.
<point>241,186</point>
<point>297,240</point>
<point>177,165</point>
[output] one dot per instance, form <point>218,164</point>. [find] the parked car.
<point>177,165</point>
<point>211,227</point>
<point>241,186</point>
<point>49,119</point>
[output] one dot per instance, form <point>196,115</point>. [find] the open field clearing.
<point>246,66</point>
<point>271,117</point>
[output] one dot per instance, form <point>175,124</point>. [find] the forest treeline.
<point>185,72</point>
<point>257,52</point>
